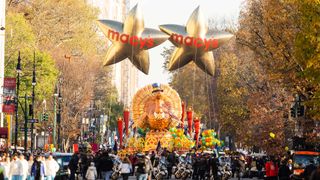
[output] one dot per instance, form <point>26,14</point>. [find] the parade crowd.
<point>17,167</point>
<point>106,165</point>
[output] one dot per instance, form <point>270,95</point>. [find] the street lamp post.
<point>59,117</point>
<point>55,115</point>
<point>34,82</point>
<point>18,69</point>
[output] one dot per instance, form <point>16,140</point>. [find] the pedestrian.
<point>52,167</point>
<point>91,172</point>
<point>241,166</point>
<point>16,168</point>
<point>143,167</point>
<point>126,168</point>
<point>25,166</point>
<point>106,166</point>
<point>309,169</point>
<point>271,169</point>
<point>6,165</point>
<point>30,162</point>
<point>133,160</point>
<point>37,169</point>
<point>284,171</point>
<point>149,167</point>
<point>2,168</point>
<point>73,166</point>
<point>214,166</point>
<point>202,165</point>
<point>171,161</point>
<point>315,175</point>
<point>259,165</point>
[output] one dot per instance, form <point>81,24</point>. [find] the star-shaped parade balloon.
<point>131,40</point>
<point>194,43</point>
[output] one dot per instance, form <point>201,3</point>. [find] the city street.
<point>99,88</point>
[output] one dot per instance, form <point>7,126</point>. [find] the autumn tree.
<point>67,31</point>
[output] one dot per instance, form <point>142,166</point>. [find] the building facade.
<point>124,74</point>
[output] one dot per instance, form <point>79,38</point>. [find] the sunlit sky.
<point>157,12</point>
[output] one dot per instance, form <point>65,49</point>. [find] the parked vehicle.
<point>301,159</point>
<point>63,160</point>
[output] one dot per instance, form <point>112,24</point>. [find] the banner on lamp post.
<point>9,91</point>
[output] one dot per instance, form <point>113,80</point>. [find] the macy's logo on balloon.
<point>133,40</point>
<point>196,42</point>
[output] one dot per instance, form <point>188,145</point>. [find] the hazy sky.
<point>157,12</point>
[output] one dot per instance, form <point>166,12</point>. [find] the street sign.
<point>33,121</point>
<point>22,129</point>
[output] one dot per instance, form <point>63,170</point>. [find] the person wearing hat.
<point>91,172</point>
<point>52,167</point>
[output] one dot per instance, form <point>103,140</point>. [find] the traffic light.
<point>300,111</point>
<point>58,118</point>
<point>45,117</point>
<point>30,110</point>
<point>293,112</point>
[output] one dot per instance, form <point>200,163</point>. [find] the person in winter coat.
<point>106,166</point>
<point>126,168</point>
<point>37,169</point>
<point>24,166</point>
<point>16,168</point>
<point>30,163</point>
<point>271,169</point>
<point>91,172</point>
<point>241,166</point>
<point>73,165</point>
<point>284,171</point>
<point>6,165</point>
<point>52,167</point>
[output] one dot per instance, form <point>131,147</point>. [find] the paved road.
<point>134,178</point>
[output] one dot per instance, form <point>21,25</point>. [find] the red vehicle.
<point>301,159</point>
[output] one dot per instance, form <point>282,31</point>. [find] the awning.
<point>4,132</point>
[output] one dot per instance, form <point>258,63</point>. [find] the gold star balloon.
<point>131,40</point>
<point>194,43</point>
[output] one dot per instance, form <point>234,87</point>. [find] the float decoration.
<point>120,130</point>
<point>180,141</point>
<point>182,114</point>
<point>196,130</point>
<point>155,109</point>
<point>189,118</point>
<point>194,43</point>
<point>209,139</point>
<point>126,121</point>
<point>130,40</point>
